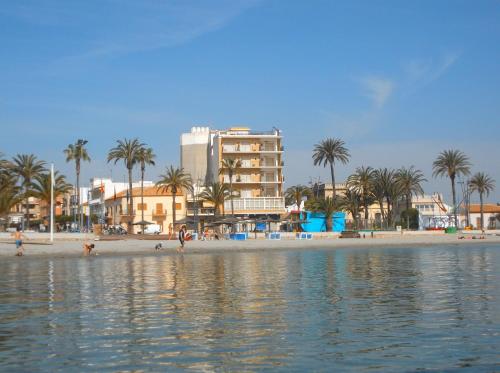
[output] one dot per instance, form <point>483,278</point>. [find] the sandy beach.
<point>71,246</point>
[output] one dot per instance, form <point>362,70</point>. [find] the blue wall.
<point>317,222</point>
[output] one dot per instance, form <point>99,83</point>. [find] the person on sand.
<point>87,248</point>
<point>18,237</point>
<point>182,239</point>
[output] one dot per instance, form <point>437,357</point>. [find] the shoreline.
<point>137,247</point>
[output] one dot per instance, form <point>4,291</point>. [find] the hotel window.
<point>142,206</point>
<point>178,206</point>
<point>159,208</point>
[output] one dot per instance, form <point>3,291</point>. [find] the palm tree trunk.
<point>454,200</point>
<point>78,194</point>
<point>328,223</point>
<point>481,209</point>
<point>142,195</point>
<point>382,212</point>
<point>231,196</point>
<point>173,209</point>
<point>27,207</point>
<point>408,197</point>
<point>131,203</point>
<point>365,205</point>
<point>332,171</point>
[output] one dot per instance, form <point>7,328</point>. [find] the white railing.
<point>275,204</point>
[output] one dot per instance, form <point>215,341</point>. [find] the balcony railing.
<point>202,211</point>
<point>159,212</point>
<point>257,204</point>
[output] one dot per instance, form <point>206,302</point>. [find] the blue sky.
<point>399,81</point>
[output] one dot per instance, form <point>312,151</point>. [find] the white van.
<point>152,229</point>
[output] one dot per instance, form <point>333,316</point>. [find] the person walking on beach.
<point>182,239</point>
<point>18,236</point>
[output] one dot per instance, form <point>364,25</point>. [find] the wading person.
<point>182,239</point>
<point>18,237</point>
<point>87,248</point>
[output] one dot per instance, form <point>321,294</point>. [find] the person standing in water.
<point>18,237</point>
<point>182,239</point>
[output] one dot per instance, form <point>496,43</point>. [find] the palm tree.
<point>386,191</point>
<point>216,193</point>
<point>410,181</point>
<point>9,191</point>
<point>128,151</point>
<point>327,152</point>
<point>484,185</point>
<point>328,206</point>
<point>175,179</point>
<point>145,157</point>
<point>295,194</point>
<point>27,167</point>
<point>351,203</point>
<point>231,166</point>
<point>451,163</point>
<point>362,182</point>
<point>42,187</point>
<point>77,152</point>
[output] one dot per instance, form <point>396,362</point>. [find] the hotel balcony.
<point>201,211</point>
<point>159,215</point>
<point>229,149</point>
<point>256,205</point>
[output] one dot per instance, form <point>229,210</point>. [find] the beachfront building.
<point>101,189</point>
<point>157,208</point>
<point>18,213</point>
<point>491,213</point>
<point>433,213</point>
<point>257,183</point>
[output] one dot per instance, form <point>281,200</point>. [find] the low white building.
<point>432,211</point>
<point>102,189</point>
<point>491,213</point>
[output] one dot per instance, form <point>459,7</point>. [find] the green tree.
<point>386,191</point>
<point>27,167</point>
<point>362,182</point>
<point>231,166</point>
<point>127,150</point>
<point>483,185</point>
<point>410,181</point>
<point>145,157</point>
<point>175,180</point>
<point>216,193</point>
<point>78,153</point>
<point>351,203</point>
<point>327,206</point>
<point>9,191</point>
<point>295,194</point>
<point>42,187</point>
<point>451,163</point>
<point>327,152</point>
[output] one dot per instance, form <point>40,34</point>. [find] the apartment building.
<point>156,207</point>
<point>257,183</point>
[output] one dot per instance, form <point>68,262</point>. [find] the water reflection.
<point>378,309</point>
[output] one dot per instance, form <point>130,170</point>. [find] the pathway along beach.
<point>72,247</point>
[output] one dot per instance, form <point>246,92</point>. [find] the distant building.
<point>157,208</point>
<point>258,183</point>
<point>102,189</point>
<point>491,213</point>
<point>432,211</point>
<point>194,153</point>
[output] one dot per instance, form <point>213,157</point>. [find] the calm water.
<point>346,310</point>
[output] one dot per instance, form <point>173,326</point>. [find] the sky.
<point>398,81</point>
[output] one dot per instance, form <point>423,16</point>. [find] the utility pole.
<point>52,202</point>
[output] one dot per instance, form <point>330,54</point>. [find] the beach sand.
<point>130,246</point>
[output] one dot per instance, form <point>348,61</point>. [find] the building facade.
<point>257,183</point>
<point>157,208</point>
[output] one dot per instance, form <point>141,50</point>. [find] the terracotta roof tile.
<point>151,191</point>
